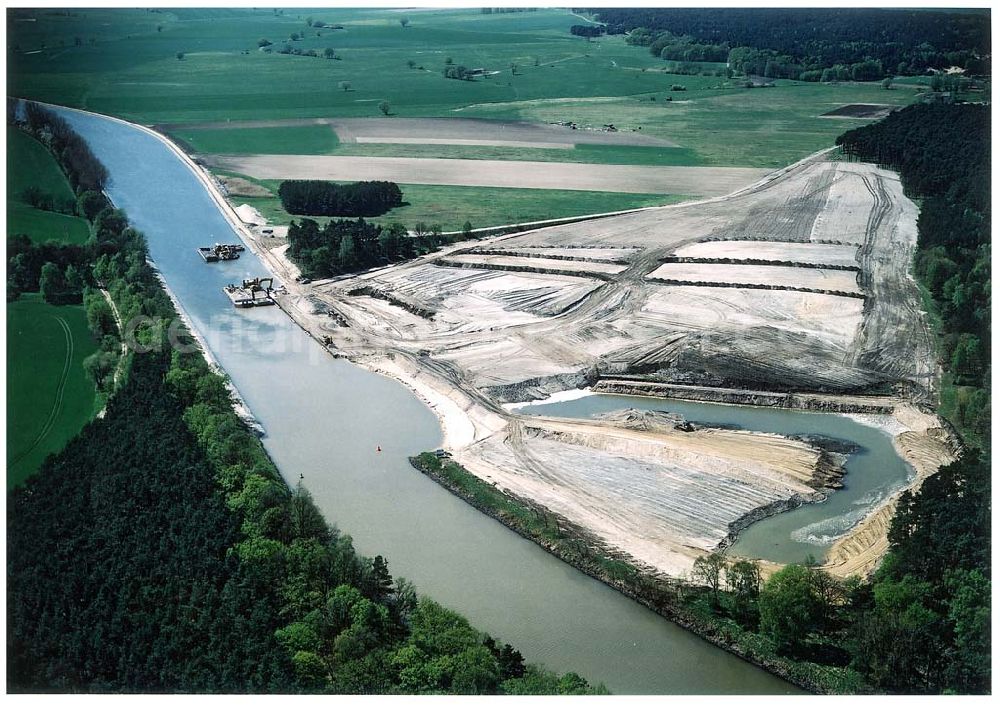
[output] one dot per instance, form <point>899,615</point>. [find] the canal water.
<point>874,469</point>
<point>325,419</point>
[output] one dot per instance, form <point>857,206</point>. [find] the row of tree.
<point>364,198</point>
<point>902,42</point>
<point>343,246</point>
<point>589,31</point>
<point>84,170</point>
<point>459,73</point>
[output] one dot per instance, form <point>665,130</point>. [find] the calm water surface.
<point>324,419</point>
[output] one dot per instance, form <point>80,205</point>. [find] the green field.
<point>305,139</point>
<point>42,226</point>
<point>451,206</point>
<point>231,141</point>
<point>49,396</point>
<point>132,71</point>
<point>29,163</point>
<point>125,63</point>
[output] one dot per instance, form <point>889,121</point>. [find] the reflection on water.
<point>325,418</point>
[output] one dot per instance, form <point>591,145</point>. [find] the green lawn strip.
<point>451,206</point>
<point>49,396</point>
<point>30,164</point>
<point>683,603</point>
<point>42,226</point>
<point>583,153</point>
<point>298,139</point>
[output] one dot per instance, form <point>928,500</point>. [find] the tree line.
<point>63,273</point>
<point>344,246</point>
<point>161,551</point>
<point>84,170</point>
<point>942,155</point>
<point>801,41</point>
<point>363,198</point>
<point>589,31</point>
<point>921,624</point>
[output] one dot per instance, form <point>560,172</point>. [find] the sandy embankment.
<point>922,441</point>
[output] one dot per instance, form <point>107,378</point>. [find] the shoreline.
<point>648,588</point>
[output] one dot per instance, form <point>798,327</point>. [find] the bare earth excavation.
<point>793,292</point>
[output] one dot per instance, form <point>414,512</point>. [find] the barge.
<point>252,292</point>
<point>219,252</point>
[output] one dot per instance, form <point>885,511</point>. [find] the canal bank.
<point>325,419</point>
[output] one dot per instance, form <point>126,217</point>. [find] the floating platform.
<point>252,292</point>
<point>246,298</point>
<point>219,252</point>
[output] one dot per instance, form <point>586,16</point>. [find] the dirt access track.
<point>465,131</point>
<point>686,180</point>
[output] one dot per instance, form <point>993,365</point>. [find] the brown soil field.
<point>431,130</point>
<point>687,180</point>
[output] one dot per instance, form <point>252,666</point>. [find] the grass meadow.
<point>29,163</point>
<point>131,70</point>
<point>299,139</point>
<point>49,396</point>
<point>451,206</point>
<point>125,63</point>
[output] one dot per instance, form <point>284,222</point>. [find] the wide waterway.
<point>325,420</point>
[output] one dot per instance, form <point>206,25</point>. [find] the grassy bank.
<point>685,604</point>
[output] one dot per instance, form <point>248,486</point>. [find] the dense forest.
<point>343,246</point>
<point>942,155</point>
<point>857,43</point>
<point>161,551</point>
<point>362,199</point>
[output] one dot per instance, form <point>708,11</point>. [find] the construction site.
<point>794,291</point>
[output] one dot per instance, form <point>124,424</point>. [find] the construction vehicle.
<point>252,292</point>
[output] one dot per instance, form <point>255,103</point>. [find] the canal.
<point>325,420</point>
